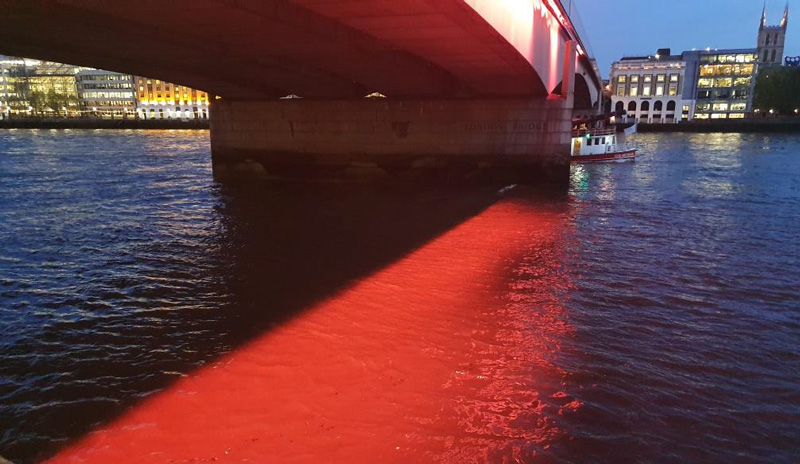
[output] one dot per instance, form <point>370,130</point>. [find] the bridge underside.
<point>501,140</point>
<point>467,81</point>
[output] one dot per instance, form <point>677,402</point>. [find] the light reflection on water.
<point>650,316</point>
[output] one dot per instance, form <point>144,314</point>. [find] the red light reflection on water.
<point>443,355</point>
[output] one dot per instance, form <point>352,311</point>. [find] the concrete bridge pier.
<point>516,140</point>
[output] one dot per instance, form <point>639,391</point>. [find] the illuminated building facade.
<point>37,88</point>
<point>723,82</point>
<point>650,88</point>
<point>13,94</point>
<point>106,94</point>
<point>710,83</point>
<point>157,99</point>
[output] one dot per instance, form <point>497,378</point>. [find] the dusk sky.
<point>639,27</point>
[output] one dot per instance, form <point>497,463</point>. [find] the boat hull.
<point>628,155</point>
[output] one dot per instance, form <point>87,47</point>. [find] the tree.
<point>777,89</point>
<point>59,101</point>
<point>38,101</point>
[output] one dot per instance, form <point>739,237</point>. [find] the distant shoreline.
<point>729,126</point>
<point>166,124</point>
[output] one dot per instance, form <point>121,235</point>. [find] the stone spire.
<point>785,19</point>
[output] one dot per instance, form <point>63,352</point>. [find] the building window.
<point>620,90</point>
<point>646,91</point>
<point>671,105</point>
<point>740,94</point>
<point>742,82</point>
<point>723,82</point>
<point>720,107</point>
<point>661,78</point>
<point>673,90</point>
<point>736,116</point>
<point>773,55</point>
<point>658,106</point>
<point>646,106</point>
<point>705,83</point>
<point>659,90</point>
<point>766,55</point>
<point>673,77</point>
<point>685,109</point>
<point>635,79</point>
<point>622,79</point>
<point>648,78</point>
<point>738,106</point>
<point>719,116</point>
<point>634,90</point>
<point>632,106</point>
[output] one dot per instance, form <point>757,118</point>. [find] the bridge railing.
<point>571,9</point>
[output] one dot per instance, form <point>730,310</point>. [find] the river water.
<point>651,314</point>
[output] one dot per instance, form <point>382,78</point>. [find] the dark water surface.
<point>651,314</point>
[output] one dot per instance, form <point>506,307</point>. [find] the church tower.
<point>771,40</point>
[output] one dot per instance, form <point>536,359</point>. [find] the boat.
<point>600,145</point>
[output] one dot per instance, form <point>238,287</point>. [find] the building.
<point>106,94</point>
<point>650,88</point>
<point>771,40</point>
<point>722,81</point>
<point>13,89</point>
<point>157,99</point>
<point>697,84</point>
<point>37,88</point>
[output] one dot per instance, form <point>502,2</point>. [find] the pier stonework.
<point>456,140</point>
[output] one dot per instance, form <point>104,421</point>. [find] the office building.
<point>157,99</point>
<point>106,94</point>
<point>37,88</point>
<point>650,88</point>
<point>697,84</point>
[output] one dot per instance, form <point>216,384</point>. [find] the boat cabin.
<point>594,142</point>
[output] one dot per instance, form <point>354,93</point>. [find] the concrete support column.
<point>568,76</point>
<point>514,140</point>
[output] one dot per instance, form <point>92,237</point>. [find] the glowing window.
<point>720,107</point>
<point>705,83</point>
<point>673,90</point>
<point>736,116</point>
<point>723,82</point>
